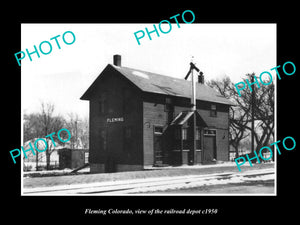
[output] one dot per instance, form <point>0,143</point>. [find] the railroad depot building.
<point>140,119</point>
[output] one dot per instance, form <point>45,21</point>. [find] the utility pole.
<point>252,114</point>
<point>193,110</point>
<point>193,91</point>
<point>193,128</point>
<point>76,134</point>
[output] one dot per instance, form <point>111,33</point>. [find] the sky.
<point>62,76</point>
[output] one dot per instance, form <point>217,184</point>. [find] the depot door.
<point>158,154</point>
<point>209,148</point>
<point>158,148</point>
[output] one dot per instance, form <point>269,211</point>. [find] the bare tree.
<point>45,122</point>
<point>240,115</point>
<point>85,132</point>
<point>31,126</point>
<point>72,126</point>
<point>80,128</point>
<point>49,124</point>
<point>263,111</point>
<point>32,130</point>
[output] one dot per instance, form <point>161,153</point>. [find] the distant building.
<point>62,156</point>
<point>72,158</point>
<point>140,119</point>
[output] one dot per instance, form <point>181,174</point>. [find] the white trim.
<point>214,135</point>
<point>186,150</point>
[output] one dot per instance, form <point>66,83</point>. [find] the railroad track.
<point>141,186</point>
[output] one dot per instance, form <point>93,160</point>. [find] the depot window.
<point>213,110</point>
<point>158,130</point>
<point>209,132</point>
<point>184,133</point>
<point>181,133</point>
<point>198,134</point>
<point>169,105</point>
<point>198,138</point>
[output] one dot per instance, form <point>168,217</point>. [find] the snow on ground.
<point>138,186</point>
<point>62,172</point>
<point>66,170</point>
<point>222,164</point>
<point>204,182</point>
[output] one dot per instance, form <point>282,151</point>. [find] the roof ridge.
<point>144,71</point>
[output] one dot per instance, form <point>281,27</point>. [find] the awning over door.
<point>184,116</point>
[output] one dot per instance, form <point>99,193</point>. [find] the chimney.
<point>117,60</point>
<point>201,78</point>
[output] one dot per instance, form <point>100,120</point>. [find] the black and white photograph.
<point>161,116</point>
<point>163,112</point>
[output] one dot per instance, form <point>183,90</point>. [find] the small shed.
<point>72,158</point>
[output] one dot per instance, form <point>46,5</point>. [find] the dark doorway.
<point>209,149</point>
<point>158,148</point>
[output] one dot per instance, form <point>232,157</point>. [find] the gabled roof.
<point>184,116</point>
<point>156,83</point>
